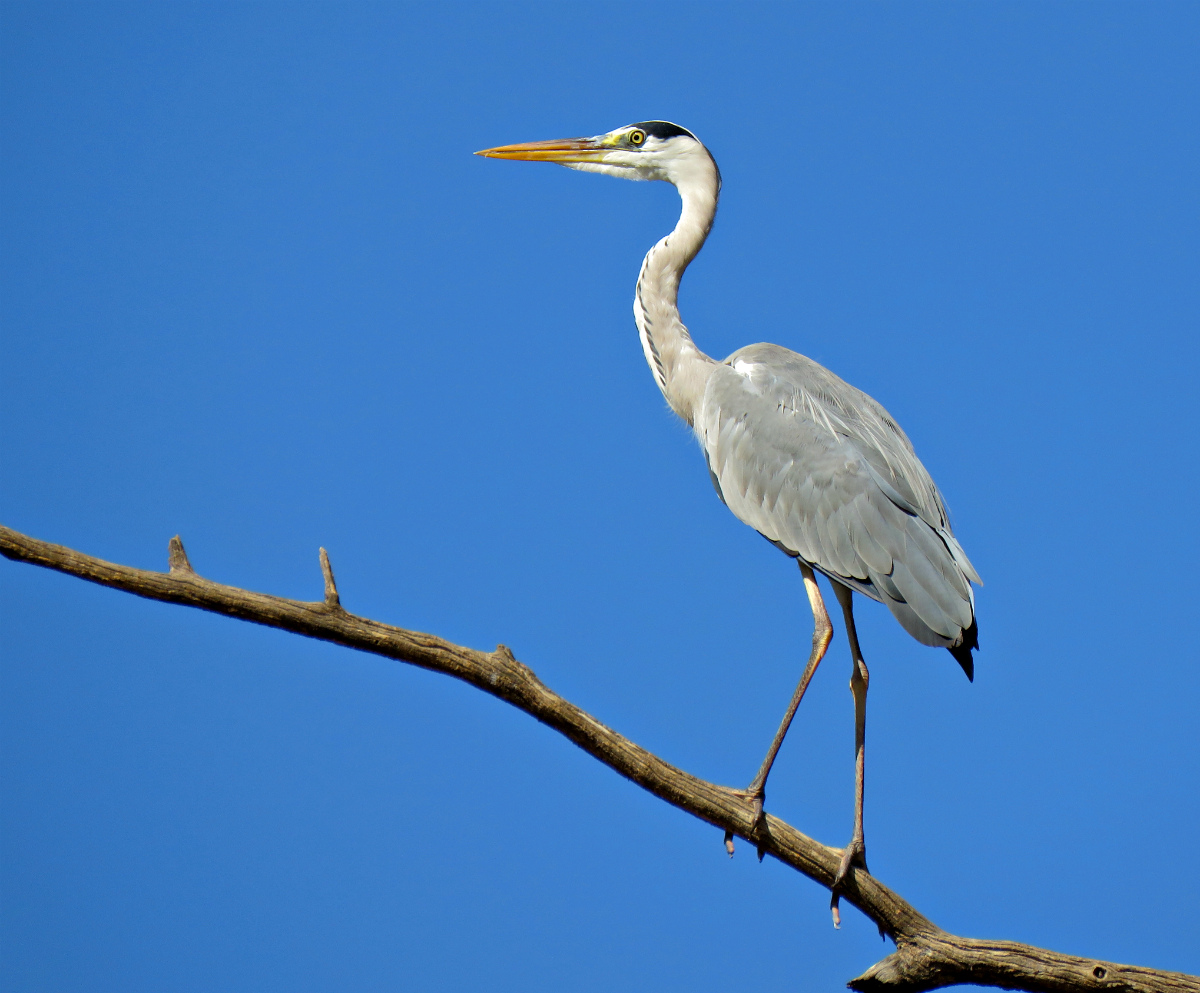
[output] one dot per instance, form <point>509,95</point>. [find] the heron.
<point>816,466</point>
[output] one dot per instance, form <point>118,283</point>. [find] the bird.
<point>816,466</point>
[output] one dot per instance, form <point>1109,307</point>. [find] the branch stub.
<point>331,594</point>
<point>177,560</point>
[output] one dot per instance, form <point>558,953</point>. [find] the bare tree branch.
<point>926,957</point>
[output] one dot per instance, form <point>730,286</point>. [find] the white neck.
<point>679,367</point>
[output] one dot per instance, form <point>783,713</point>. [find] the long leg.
<point>854,853</point>
<point>822,635</point>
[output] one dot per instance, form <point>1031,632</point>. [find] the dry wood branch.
<point>926,957</point>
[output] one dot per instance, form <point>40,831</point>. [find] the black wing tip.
<point>962,652</point>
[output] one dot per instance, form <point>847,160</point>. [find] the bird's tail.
<point>962,651</point>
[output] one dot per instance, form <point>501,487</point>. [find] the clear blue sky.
<point>257,291</point>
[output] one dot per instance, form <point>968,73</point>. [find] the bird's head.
<point>649,150</point>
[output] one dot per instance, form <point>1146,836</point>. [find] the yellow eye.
<point>637,137</point>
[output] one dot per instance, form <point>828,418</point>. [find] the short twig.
<point>331,594</point>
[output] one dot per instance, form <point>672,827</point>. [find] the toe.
<point>854,854</point>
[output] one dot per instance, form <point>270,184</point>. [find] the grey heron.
<point>814,465</point>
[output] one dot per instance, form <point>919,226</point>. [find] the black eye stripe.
<point>663,129</point>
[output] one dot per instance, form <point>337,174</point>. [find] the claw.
<point>758,818</point>
<point>758,824</point>
<point>755,798</point>
<point>756,808</point>
<point>854,854</point>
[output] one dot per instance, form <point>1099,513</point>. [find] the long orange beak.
<point>561,150</point>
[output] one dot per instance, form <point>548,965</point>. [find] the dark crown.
<point>663,129</point>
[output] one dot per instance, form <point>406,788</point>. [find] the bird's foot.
<point>854,854</point>
<point>755,796</point>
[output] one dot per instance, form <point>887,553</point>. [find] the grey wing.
<point>822,471</point>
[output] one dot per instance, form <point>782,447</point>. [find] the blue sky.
<point>257,291</point>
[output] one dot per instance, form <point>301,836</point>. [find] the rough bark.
<point>926,957</point>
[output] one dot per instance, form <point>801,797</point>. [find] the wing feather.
<point>923,605</point>
<point>822,471</point>
<point>873,555</point>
